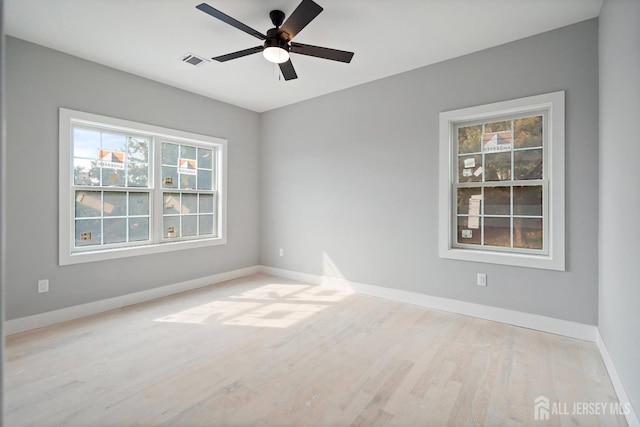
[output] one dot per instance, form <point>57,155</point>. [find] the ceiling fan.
<point>277,43</point>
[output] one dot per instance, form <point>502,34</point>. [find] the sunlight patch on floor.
<point>270,306</point>
<point>276,315</point>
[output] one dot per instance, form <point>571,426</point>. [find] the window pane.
<point>497,231</point>
<point>88,204</point>
<point>497,201</point>
<point>138,175</point>
<point>189,203</point>
<point>85,172</point>
<point>187,152</point>
<point>467,235</point>
<point>138,204</point>
<point>171,226</point>
<point>138,150</point>
<point>528,164</point>
<point>469,139</point>
<point>86,143</point>
<point>527,200</point>
<point>464,197</point>
<point>528,132</point>
<point>189,225</point>
<point>204,179</point>
<point>169,177</point>
<point>115,204</point>
<point>88,232</point>
<point>172,203</point>
<point>527,233</point>
<point>470,168</point>
<point>206,224</point>
<point>112,177</point>
<point>497,126</point>
<point>187,182</point>
<point>497,167</point>
<point>114,142</point>
<point>115,230</point>
<point>169,154</point>
<point>205,157</point>
<point>138,229</point>
<point>206,203</point>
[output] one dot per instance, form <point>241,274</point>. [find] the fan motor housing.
<point>274,40</point>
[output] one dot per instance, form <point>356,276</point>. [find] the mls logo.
<point>541,408</point>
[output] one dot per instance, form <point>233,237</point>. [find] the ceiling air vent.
<point>192,59</point>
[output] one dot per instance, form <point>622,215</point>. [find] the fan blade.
<point>321,52</point>
<point>306,11</point>
<point>238,54</point>
<point>288,71</point>
<point>229,20</point>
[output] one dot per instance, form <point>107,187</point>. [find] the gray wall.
<point>350,180</point>
<point>39,81</point>
<point>620,189</point>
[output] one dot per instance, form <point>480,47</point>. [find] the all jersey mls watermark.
<point>543,408</point>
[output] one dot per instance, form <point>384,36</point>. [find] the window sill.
<point>545,262</point>
<point>125,252</point>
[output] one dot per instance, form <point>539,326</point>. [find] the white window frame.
<point>553,257</point>
<point>67,256</point>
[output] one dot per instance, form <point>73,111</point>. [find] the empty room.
<point>319,213</point>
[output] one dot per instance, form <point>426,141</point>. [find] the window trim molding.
<point>67,118</point>
<point>555,103</point>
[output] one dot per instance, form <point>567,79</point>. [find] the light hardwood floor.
<point>267,351</point>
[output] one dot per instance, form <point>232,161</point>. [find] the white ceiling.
<point>147,38</point>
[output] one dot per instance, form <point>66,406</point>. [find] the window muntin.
<point>188,215</point>
<point>106,163</point>
<point>109,159</point>
<point>501,191</point>
<point>188,171</point>
<point>105,218</point>
<point>128,188</point>
<point>500,181</point>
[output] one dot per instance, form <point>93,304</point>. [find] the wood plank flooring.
<point>266,351</point>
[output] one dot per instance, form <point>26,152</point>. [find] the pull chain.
<point>276,70</point>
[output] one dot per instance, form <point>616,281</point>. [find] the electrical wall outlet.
<point>281,252</point>
<point>43,286</point>
<point>482,279</point>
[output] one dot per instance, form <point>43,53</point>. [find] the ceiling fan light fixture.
<point>277,41</point>
<point>277,55</point>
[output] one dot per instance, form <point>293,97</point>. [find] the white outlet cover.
<point>482,279</point>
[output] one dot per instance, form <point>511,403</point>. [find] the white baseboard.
<point>511,317</point>
<point>49,318</point>
<point>632,417</point>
